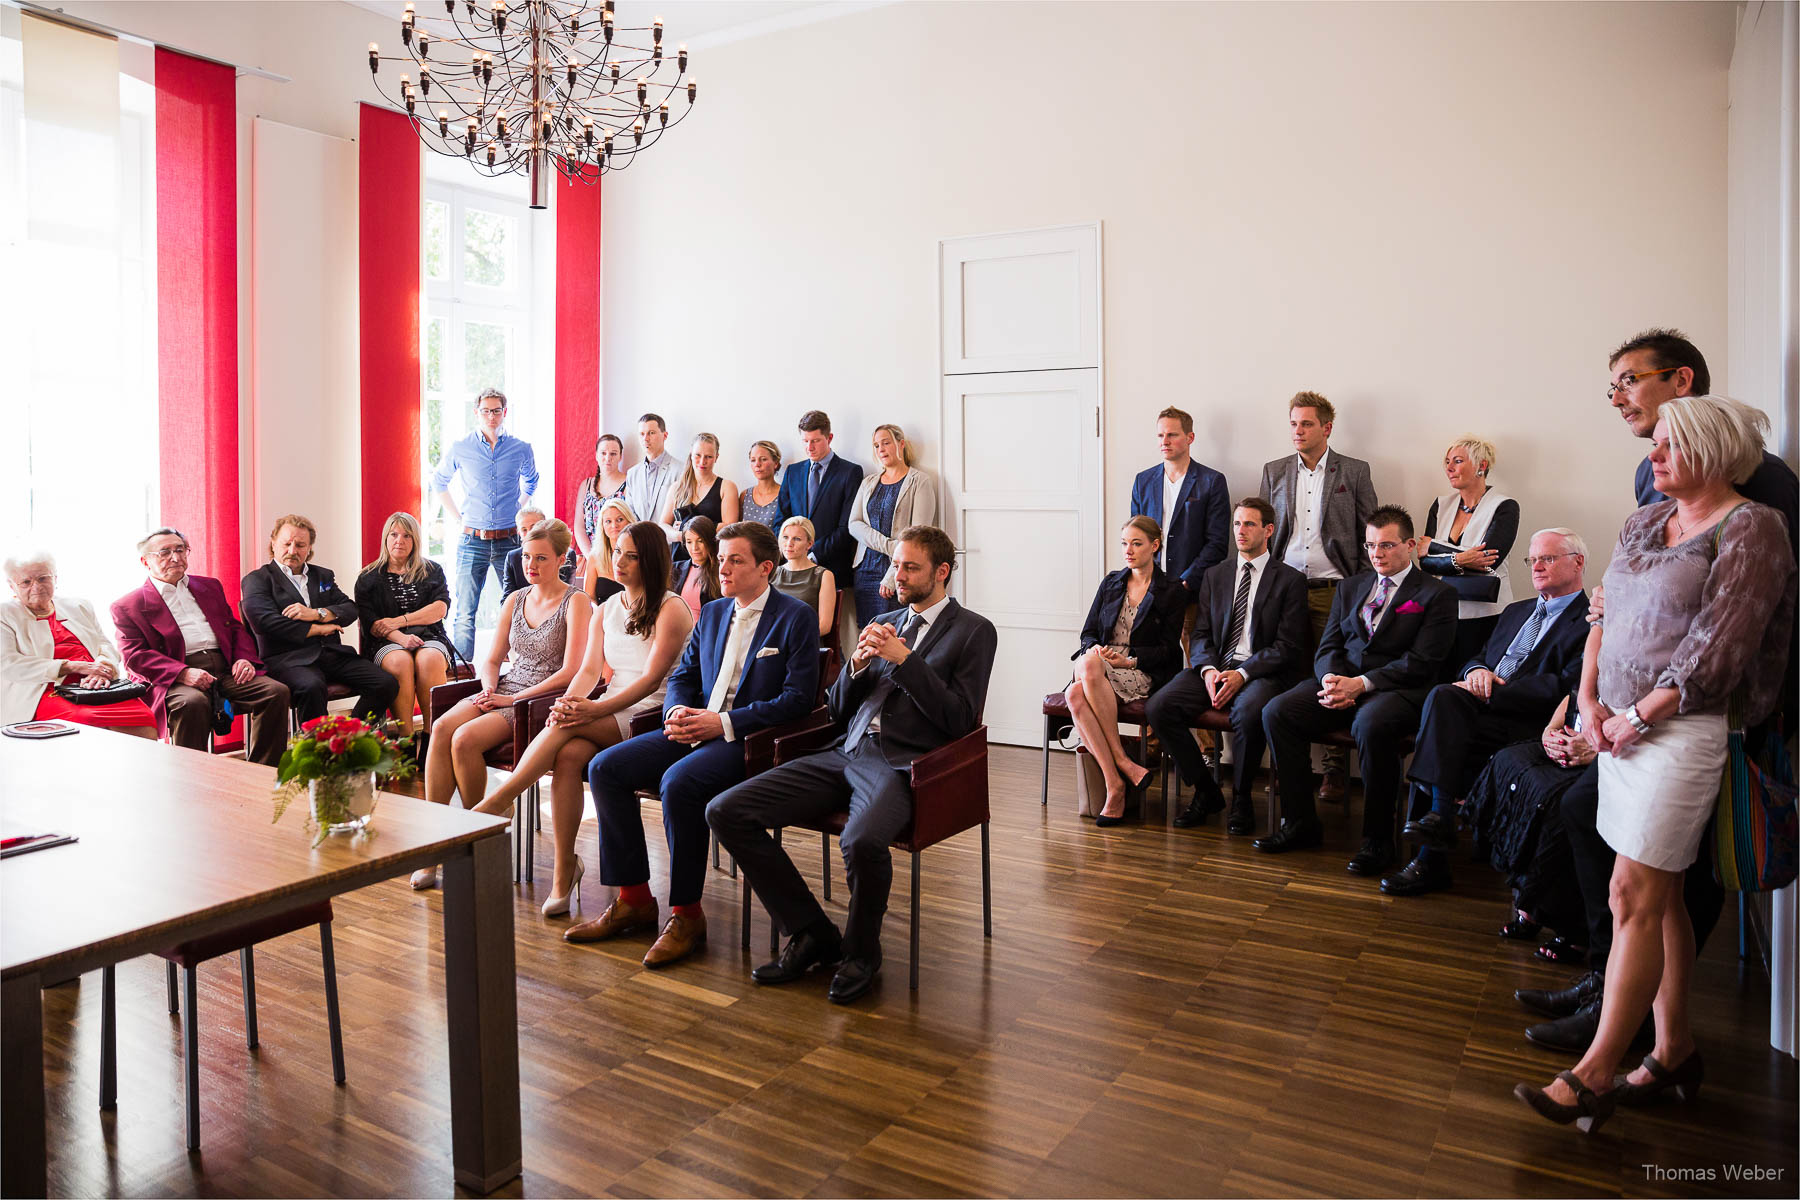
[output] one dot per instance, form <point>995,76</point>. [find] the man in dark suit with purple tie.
<point>178,634</point>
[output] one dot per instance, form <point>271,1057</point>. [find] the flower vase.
<point>343,803</point>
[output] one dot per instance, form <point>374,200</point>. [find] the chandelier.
<point>535,86</point>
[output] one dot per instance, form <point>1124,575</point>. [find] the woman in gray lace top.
<point>1699,606</point>
<point>543,631</point>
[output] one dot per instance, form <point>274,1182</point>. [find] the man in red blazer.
<point>178,634</point>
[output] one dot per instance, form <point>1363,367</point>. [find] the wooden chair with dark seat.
<point>528,721</point>
<point>1213,721</point>
<point>1058,721</point>
<point>188,956</point>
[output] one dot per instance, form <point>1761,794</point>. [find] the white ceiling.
<point>697,23</point>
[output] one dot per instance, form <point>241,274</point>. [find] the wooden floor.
<point>1160,1013</point>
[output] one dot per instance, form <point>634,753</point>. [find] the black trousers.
<point>1458,733</point>
<point>1593,860</point>
<point>1180,702</point>
<point>307,684</point>
<point>1379,722</point>
<point>860,780</point>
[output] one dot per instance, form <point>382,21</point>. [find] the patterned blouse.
<point>587,504</point>
<point>769,514</point>
<point>881,515</point>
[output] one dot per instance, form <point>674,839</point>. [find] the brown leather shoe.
<point>619,918</point>
<point>680,937</point>
<point>1334,787</point>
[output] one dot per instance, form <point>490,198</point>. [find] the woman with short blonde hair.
<point>1470,532</point>
<point>802,578</point>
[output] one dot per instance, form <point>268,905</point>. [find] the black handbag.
<point>1482,588</point>
<point>116,692</point>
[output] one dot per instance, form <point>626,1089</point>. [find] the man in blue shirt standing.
<point>499,474</point>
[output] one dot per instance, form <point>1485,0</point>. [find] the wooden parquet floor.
<point>1159,1013</point>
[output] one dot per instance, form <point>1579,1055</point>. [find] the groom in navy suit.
<point>752,663</point>
<point>821,488</point>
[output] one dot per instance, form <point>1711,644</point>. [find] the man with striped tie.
<point>1503,695</point>
<point>1251,636</point>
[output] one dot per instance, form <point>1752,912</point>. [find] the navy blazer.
<point>833,546</point>
<point>781,671</point>
<point>1408,650</point>
<point>1280,622</point>
<point>939,692</point>
<point>284,641</point>
<point>1155,634</point>
<point>1198,535</point>
<point>1549,672</point>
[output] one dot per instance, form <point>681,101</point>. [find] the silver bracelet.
<point>1637,721</point>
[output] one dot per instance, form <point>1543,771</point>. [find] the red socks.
<point>688,910</point>
<point>637,895</point>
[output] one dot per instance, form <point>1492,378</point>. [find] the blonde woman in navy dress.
<point>890,499</point>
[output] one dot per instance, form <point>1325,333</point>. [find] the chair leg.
<point>715,848</point>
<point>774,930</point>
<point>913,981</point>
<point>174,991</point>
<point>190,1044</point>
<point>987,887</point>
<point>533,820</point>
<point>744,923</point>
<point>1044,795</point>
<point>518,840</point>
<point>825,863</point>
<point>109,1041</point>
<point>247,967</point>
<point>331,1002</point>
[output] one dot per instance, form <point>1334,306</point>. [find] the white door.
<point>1022,467</point>
<point>1021,301</point>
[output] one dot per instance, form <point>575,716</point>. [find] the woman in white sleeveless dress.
<point>633,644</point>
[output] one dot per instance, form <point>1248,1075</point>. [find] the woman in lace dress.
<point>544,631</point>
<point>1130,646</point>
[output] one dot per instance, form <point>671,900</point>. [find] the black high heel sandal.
<point>1588,1113</point>
<point>1562,951</point>
<point>1521,928</point>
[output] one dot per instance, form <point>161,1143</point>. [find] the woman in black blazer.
<point>1130,646</point>
<point>402,599</point>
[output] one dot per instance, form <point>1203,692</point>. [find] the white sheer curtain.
<point>79,461</point>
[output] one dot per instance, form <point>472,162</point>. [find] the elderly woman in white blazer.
<point>31,626</point>
<point>1471,531</point>
<point>890,499</point>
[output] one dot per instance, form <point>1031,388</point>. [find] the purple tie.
<point>1372,610</point>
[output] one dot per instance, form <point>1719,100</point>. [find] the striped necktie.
<point>1240,612</point>
<point>1520,650</point>
<point>1372,610</point>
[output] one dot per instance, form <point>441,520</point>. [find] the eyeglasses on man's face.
<point>490,412</point>
<point>1532,560</point>
<point>1631,379</point>
<point>1382,547</point>
<point>168,552</point>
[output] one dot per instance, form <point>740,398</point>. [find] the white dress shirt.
<point>196,631</point>
<point>299,582</point>
<point>1306,548</point>
<point>744,619</point>
<point>1171,489</point>
<point>1240,650</point>
<point>925,619</point>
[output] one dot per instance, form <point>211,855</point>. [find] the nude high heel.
<point>558,906</point>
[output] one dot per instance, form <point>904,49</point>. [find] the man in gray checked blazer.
<point>1322,501</point>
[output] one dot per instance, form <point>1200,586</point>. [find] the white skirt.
<point>1658,795</point>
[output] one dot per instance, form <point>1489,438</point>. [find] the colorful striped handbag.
<point>1755,828</point>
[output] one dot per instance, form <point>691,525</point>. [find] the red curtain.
<point>389,206</point>
<point>577,336</point>
<point>197,308</point>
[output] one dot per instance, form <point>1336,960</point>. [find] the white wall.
<point>1441,216</point>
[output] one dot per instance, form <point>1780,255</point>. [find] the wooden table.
<point>176,844</point>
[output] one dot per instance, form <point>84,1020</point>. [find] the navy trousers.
<point>687,778</point>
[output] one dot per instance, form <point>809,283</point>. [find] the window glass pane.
<point>488,241</point>
<point>437,240</point>
<point>486,349</point>
<point>434,355</point>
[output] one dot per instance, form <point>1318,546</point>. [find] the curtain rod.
<point>61,17</point>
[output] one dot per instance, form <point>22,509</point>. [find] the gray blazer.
<point>1349,499</point>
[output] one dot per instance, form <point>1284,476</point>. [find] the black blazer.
<point>1280,622</point>
<point>939,691</point>
<point>1549,672</point>
<point>1155,634</point>
<point>283,641</point>
<point>375,601</point>
<point>512,575</point>
<point>832,544</point>
<point>1411,644</point>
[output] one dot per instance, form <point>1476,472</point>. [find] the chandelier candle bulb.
<point>424,43</point>
<point>425,80</point>
<point>374,58</point>
<point>681,59</point>
<point>642,89</point>
<point>443,123</point>
<point>490,154</point>
<point>693,89</point>
<point>656,53</point>
<point>662,113</point>
<point>656,31</point>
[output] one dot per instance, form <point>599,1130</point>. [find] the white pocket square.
<point>768,651</point>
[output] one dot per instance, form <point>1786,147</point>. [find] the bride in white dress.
<point>632,646</point>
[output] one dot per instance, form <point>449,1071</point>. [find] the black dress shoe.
<point>1375,857</point>
<point>1207,801</point>
<point>1293,835</point>
<point>1560,1002</point>
<point>1574,1033</point>
<point>853,980</point>
<point>1434,827</point>
<point>804,951</point>
<point>1417,878</point>
<point>1242,819</point>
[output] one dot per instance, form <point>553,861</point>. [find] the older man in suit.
<point>179,635</point>
<point>751,663</point>
<point>1503,695</point>
<point>1190,501</point>
<point>918,680</point>
<point>821,488</point>
<point>296,609</point>
<point>1251,638</point>
<point>1322,503</point>
<point>1390,631</point>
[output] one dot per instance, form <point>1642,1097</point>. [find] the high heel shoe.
<point>424,879</point>
<point>1588,1113</point>
<point>1102,821</point>
<point>558,906</point>
<point>1684,1081</point>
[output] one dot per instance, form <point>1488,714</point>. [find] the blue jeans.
<point>474,557</point>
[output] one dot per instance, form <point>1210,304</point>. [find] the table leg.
<point>22,1167</point>
<point>482,1010</point>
